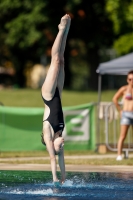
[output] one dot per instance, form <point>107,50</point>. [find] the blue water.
<point>34,185</point>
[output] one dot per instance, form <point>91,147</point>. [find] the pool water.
<point>37,185</point>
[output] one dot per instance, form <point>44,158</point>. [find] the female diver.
<point>53,122</point>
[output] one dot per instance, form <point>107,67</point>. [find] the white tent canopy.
<point>118,66</point>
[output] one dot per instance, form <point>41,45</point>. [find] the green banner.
<point>21,128</point>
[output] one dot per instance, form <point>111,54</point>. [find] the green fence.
<point>20,128</point>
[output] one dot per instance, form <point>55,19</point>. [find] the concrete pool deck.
<point>72,167</point>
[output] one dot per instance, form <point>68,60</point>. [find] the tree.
<point>121,14</point>
<point>20,24</point>
<point>92,26</point>
<point>29,28</point>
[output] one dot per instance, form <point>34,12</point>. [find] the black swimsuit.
<point>55,117</point>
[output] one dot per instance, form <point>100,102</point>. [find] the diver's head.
<point>58,144</point>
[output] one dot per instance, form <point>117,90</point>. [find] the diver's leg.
<point>48,88</point>
<point>61,75</point>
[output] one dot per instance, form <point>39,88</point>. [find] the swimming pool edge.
<point>72,168</point>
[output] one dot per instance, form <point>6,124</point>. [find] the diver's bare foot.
<point>68,25</point>
<point>64,22</point>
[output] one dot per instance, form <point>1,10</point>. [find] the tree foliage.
<point>22,21</point>
<point>28,29</point>
<point>121,14</point>
<point>92,26</point>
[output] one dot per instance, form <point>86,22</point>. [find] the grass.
<point>19,154</point>
<point>32,98</point>
<point>109,161</point>
<point>37,154</point>
<point>81,161</point>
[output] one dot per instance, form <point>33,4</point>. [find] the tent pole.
<point>99,87</point>
<point>98,109</point>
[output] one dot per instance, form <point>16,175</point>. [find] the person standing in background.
<point>126,111</point>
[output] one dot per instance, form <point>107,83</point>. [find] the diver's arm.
<point>51,151</point>
<point>62,165</point>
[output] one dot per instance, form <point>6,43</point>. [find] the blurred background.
<point>100,31</point>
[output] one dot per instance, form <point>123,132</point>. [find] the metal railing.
<point>112,131</point>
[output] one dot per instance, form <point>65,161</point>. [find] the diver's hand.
<point>57,183</point>
<point>62,181</point>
